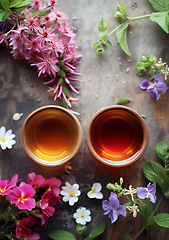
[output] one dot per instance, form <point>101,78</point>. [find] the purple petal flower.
<point>144,84</point>
<point>148,192</point>
<point>157,87</point>
<point>113,208</point>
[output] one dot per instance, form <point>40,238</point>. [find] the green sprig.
<point>161,17</point>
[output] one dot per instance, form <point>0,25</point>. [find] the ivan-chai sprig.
<point>38,33</point>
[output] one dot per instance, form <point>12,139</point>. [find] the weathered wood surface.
<point>104,81</point>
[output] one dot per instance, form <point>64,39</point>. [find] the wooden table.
<point>105,80</point>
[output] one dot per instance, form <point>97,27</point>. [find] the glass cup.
<point>51,135</point>
<point>117,136</point>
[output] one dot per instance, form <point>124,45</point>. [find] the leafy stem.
<point>128,21</point>
<point>160,17</point>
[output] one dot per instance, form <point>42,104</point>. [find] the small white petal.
<point>97,187</point>
<point>3,146</point>
<point>17,116</point>
<point>2,131</point>
<point>65,198</point>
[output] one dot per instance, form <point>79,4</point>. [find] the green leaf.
<point>66,91</point>
<point>100,50</point>
<point>64,103</point>
<point>42,13</point>
<point>160,5</point>
<point>120,13</point>
<point>60,81</point>
<point>96,231</point>
<point>61,73</point>
<point>80,229</point>
<point>97,44</point>
<point>102,25</point>
<point>61,235</point>
<point>145,212</point>
<point>162,219</point>
<point>155,173</point>
<point>21,6</point>
<point>160,18</point>
<point>4,15</point>
<point>15,3</point>
<point>121,34</point>
<point>143,116</point>
<point>5,4</point>
<point>159,148</point>
<point>126,235</point>
<point>123,100</point>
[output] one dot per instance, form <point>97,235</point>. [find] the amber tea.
<point>51,134</point>
<point>116,134</point>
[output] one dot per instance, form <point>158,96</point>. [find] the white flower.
<point>95,191</point>
<point>70,193</point>
<point>82,215</point>
<point>6,138</point>
<point>17,116</point>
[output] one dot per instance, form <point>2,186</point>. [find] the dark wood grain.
<point>105,80</point>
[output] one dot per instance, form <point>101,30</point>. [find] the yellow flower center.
<point>22,199</point>
<point>94,191</point>
<point>82,216</point>
<point>2,139</point>
<point>2,190</point>
<point>72,193</point>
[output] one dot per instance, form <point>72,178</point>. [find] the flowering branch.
<point>45,42</point>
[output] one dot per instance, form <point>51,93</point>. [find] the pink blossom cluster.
<point>19,197</point>
<point>46,41</point>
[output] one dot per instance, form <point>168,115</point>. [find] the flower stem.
<point>158,205</point>
<point>127,21</point>
<point>151,215</point>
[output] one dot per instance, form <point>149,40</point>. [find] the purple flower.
<point>148,192</point>
<point>113,208</point>
<point>154,88</point>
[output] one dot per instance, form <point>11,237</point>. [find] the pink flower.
<point>47,65</point>
<point>47,201</point>
<point>5,187</point>
<point>22,197</point>
<point>55,186</point>
<point>60,15</point>
<point>34,236</point>
<point>37,180</point>
<point>22,227</point>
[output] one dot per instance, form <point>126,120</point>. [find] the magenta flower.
<point>22,197</point>
<point>5,187</point>
<point>34,236</point>
<point>148,192</point>
<point>113,208</point>
<point>47,201</point>
<point>22,227</point>
<point>154,88</point>
<point>37,180</point>
<point>54,185</point>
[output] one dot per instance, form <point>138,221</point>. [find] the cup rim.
<point>53,163</point>
<point>131,159</point>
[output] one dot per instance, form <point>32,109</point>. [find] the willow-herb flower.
<point>148,192</point>
<point>113,208</point>
<point>6,138</point>
<point>82,215</point>
<point>95,191</point>
<point>70,193</point>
